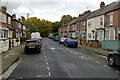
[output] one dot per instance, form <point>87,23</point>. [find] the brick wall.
<point>116,21</point>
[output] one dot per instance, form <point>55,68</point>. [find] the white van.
<point>35,35</point>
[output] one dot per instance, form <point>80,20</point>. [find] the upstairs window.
<point>9,20</point>
<point>89,24</point>
<point>111,19</point>
<point>1,17</point>
<point>101,21</point>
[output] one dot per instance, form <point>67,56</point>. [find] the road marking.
<point>97,62</point>
<point>107,66</point>
<point>48,68</point>
<point>118,72</point>
<point>10,69</point>
<point>52,48</point>
<point>46,59</point>
<point>46,63</point>
<point>49,73</point>
<point>71,51</point>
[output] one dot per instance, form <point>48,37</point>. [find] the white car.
<point>35,35</point>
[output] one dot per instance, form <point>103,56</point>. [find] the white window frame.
<point>10,34</point>
<point>89,38</point>
<point>110,33</point>
<point>9,20</point>
<point>98,35</point>
<point>2,17</point>
<point>111,19</point>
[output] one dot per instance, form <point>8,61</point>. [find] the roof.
<point>74,21</point>
<point>66,24</point>
<point>110,7</point>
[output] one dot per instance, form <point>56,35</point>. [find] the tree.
<point>37,25</point>
<point>56,25</point>
<point>66,18</point>
<point>23,18</point>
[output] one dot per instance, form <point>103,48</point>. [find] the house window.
<point>89,36</point>
<point>100,35</point>
<point>20,25</point>
<point>1,17</point>
<point>10,34</point>
<point>89,24</point>
<point>5,34</point>
<point>111,19</point>
<point>110,34</point>
<point>1,34</point>
<point>9,20</point>
<point>101,21</point>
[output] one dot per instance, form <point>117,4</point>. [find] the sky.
<point>51,10</point>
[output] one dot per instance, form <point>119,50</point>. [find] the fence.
<point>111,44</point>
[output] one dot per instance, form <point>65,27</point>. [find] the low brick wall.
<point>95,45</point>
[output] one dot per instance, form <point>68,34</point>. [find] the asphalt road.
<point>58,61</point>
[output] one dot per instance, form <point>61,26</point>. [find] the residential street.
<point>58,61</point>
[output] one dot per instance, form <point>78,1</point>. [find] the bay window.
<point>110,34</point>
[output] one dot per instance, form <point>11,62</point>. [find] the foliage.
<point>56,25</point>
<point>66,18</point>
<point>65,35</point>
<point>37,25</point>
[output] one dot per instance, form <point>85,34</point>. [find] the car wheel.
<point>111,61</point>
<point>67,45</point>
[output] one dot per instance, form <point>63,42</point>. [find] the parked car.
<point>35,35</point>
<point>50,36</point>
<point>56,38</point>
<point>71,42</point>
<point>61,40</point>
<point>33,45</point>
<point>114,58</point>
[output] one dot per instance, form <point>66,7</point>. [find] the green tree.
<point>37,25</point>
<point>66,18</point>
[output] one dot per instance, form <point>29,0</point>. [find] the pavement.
<point>58,61</point>
<point>99,51</point>
<point>10,56</point>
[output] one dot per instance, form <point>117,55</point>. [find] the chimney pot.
<point>88,11</point>
<point>14,15</point>
<point>102,4</point>
<point>4,8</point>
<point>80,15</point>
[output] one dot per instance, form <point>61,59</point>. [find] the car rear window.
<point>73,39</point>
<point>32,43</point>
<point>63,38</point>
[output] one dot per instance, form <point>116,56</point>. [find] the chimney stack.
<point>80,15</point>
<point>14,16</point>
<point>102,4</point>
<point>88,11</point>
<point>4,8</point>
<point>19,19</point>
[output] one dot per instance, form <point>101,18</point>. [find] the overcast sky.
<point>51,10</point>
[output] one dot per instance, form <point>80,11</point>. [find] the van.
<point>35,35</point>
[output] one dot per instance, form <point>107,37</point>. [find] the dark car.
<point>61,40</point>
<point>114,58</point>
<point>71,42</point>
<point>56,38</point>
<point>33,46</point>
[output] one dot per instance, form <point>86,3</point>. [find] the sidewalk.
<point>10,56</point>
<point>95,50</point>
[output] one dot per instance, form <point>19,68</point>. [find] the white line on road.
<point>46,63</point>
<point>48,68</point>
<point>46,59</point>
<point>107,66</point>
<point>97,62</point>
<point>49,73</point>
